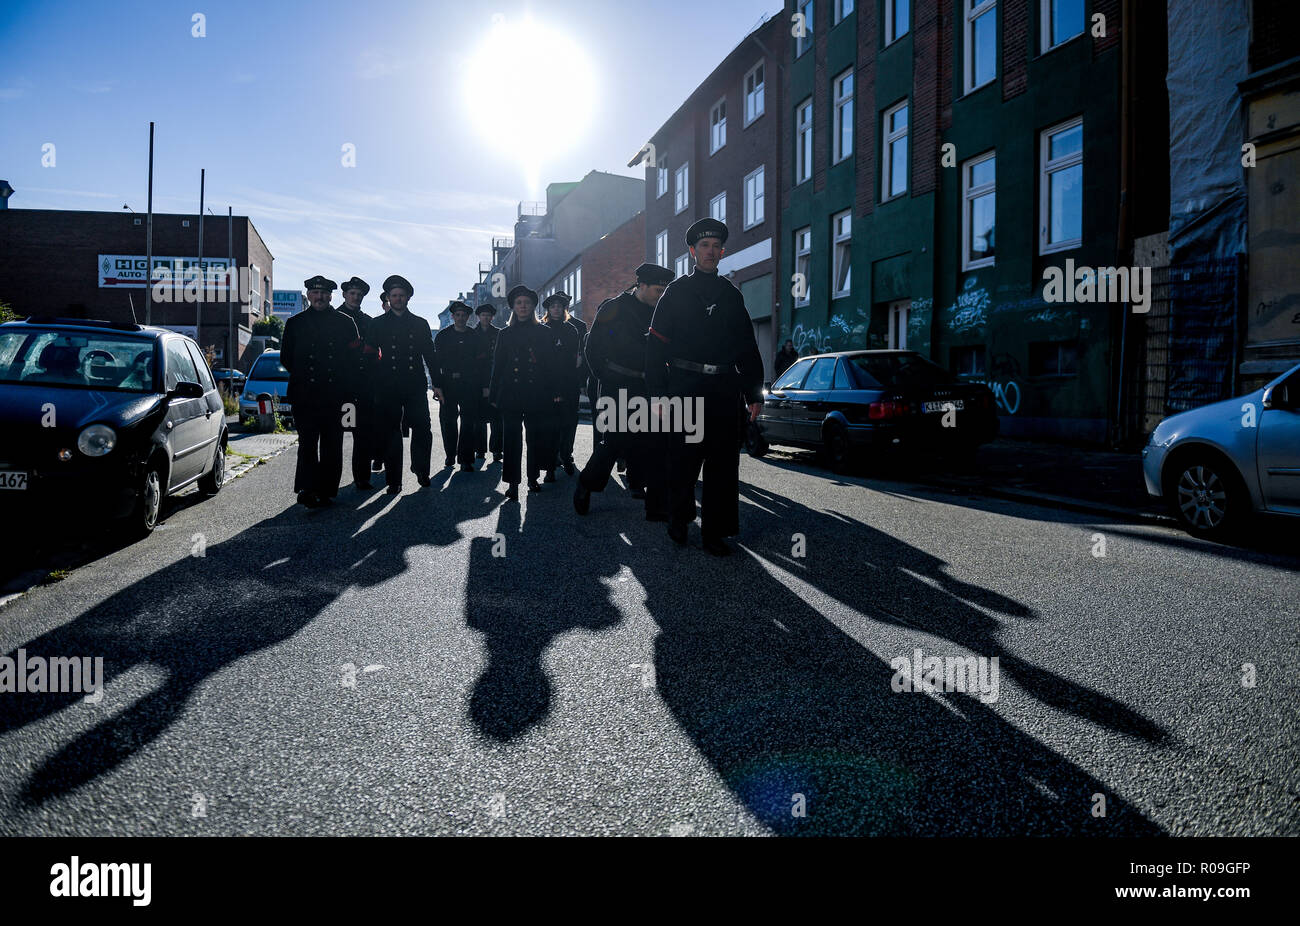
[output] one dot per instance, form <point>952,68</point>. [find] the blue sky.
<point>267,99</point>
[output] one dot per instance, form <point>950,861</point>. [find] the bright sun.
<point>530,90</point>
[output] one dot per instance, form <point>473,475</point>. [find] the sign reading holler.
<point>117,271</point>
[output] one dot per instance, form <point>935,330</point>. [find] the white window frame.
<point>758,94</point>
<point>801,45</point>
<point>838,238</point>
<point>757,202</point>
<point>661,248</point>
<point>803,262</point>
<point>886,153</point>
<point>973,10</point>
<point>577,284</point>
<point>681,188</point>
<point>721,198</point>
<point>1045,170</point>
<point>682,265</point>
<point>718,127</point>
<point>661,178</point>
<point>969,194</point>
<point>803,159</point>
<point>1045,27</point>
<point>840,11</point>
<point>843,101</point>
<point>898,312</point>
<point>891,33</point>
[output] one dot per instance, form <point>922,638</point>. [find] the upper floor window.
<point>842,142</point>
<point>1060,20</point>
<point>661,248</point>
<point>661,177</point>
<point>805,41</point>
<point>842,8</point>
<point>1060,187</point>
<point>682,265</point>
<point>841,265</point>
<point>803,139</point>
<point>897,19</point>
<point>755,91</point>
<point>682,196</point>
<point>718,207</point>
<point>717,126</point>
<point>754,197</point>
<point>802,257</point>
<point>980,43</point>
<point>978,184</point>
<point>893,167</point>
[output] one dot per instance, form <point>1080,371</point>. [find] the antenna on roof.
<point>132,299</point>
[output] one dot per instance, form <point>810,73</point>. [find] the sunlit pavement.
<point>447,662</point>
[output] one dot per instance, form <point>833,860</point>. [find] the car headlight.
<point>96,440</point>
<point>249,395</point>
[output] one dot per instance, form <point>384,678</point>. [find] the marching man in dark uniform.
<point>363,412</point>
<point>526,386</point>
<point>568,342</point>
<point>702,347</point>
<point>488,416</point>
<point>457,386</point>
<point>616,349</point>
<point>319,348</point>
<point>405,346</point>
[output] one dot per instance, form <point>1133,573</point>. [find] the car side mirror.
<point>186,390</point>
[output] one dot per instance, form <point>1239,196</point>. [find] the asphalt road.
<point>441,662</point>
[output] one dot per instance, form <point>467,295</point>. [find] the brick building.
<point>91,265</point>
<point>719,155</point>
<point>602,270</point>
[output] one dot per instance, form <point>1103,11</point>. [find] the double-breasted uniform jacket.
<point>405,346</point>
<point>526,373</point>
<point>365,357</point>
<point>319,349</point>
<point>567,344</point>
<point>701,321</point>
<point>616,346</point>
<point>457,357</point>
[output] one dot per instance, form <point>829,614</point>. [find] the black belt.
<point>624,371</point>
<point>710,368</point>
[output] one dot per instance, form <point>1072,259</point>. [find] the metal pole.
<point>203,276</point>
<point>148,242</point>
<point>230,285</point>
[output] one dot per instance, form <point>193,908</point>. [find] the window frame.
<point>721,218</point>
<point>1045,27</point>
<point>759,91</point>
<point>969,194</point>
<point>891,35</point>
<point>1045,170</point>
<point>760,198</point>
<point>681,188</point>
<point>718,128</point>
<point>802,130</point>
<point>971,11</point>
<point>680,262</point>
<point>794,366</point>
<point>661,178</point>
<point>802,45</point>
<point>661,253</point>
<point>838,13</point>
<point>836,240</point>
<point>886,153</point>
<point>806,255</point>
<point>840,102</point>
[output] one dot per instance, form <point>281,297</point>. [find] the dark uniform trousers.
<point>459,417</point>
<point>541,444</point>
<point>396,413</point>
<point>646,453</point>
<point>320,448</point>
<point>486,441</point>
<point>716,452</point>
<point>363,439</point>
<point>566,427</point>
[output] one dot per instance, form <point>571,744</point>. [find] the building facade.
<point>602,270</point>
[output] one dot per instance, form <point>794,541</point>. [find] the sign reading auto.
<point>127,270</point>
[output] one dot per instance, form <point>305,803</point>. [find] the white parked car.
<point>269,376</point>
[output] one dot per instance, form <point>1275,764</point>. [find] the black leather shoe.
<point>395,490</point>
<point>424,481</point>
<point>534,485</point>
<point>717,546</point>
<point>581,499</point>
<point>512,492</point>
<point>678,533</point>
<point>638,494</point>
<point>306,498</point>
<point>550,475</point>
<point>323,501</point>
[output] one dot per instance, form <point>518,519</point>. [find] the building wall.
<point>608,267</point>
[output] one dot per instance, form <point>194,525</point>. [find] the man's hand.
<point>437,393</point>
<point>754,409</point>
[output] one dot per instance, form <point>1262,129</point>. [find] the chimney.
<point>5,192</point>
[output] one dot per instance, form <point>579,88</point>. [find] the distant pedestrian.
<point>784,357</point>
<point>319,349</point>
<point>405,346</point>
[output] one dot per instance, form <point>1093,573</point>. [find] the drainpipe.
<point>1123,233</point>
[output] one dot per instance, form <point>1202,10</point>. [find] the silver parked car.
<point>1217,464</point>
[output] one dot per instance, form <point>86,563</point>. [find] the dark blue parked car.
<point>104,420</point>
<point>856,402</point>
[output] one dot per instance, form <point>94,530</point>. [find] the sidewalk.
<point>246,449</point>
<point>1068,477</point>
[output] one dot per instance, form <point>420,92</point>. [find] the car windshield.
<point>78,359</point>
<point>898,371</point>
<point>269,368</point>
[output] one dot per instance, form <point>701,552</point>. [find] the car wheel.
<point>1205,495</point>
<point>835,448</point>
<point>212,482</point>
<point>148,507</point>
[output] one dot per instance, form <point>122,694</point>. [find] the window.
<point>893,165</point>
<point>754,197</point>
<point>718,207</point>
<point>1061,20</point>
<point>266,297</point>
<point>754,93</point>
<point>805,42</point>
<point>1053,358</point>
<point>661,177</point>
<point>842,143</point>
<point>844,377</point>
<point>802,256</point>
<point>201,367</point>
<point>661,248</point>
<point>803,142</point>
<point>717,126</point>
<point>682,265</point>
<point>842,8</point>
<point>180,366</point>
<point>897,19</point>
<point>967,361</point>
<point>981,43</point>
<point>577,284</point>
<point>842,235</point>
<point>254,297</point>
<point>1060,187</point>
<point>683,198</point>
<point>977,221</point>
<point>822,373</point>
<point>898,324</point>
<point>793,377</point>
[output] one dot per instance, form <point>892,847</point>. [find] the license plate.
<point>929,407</point>
<point>12,480</point>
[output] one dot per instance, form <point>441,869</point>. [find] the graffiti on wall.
<point>1004,370</point>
